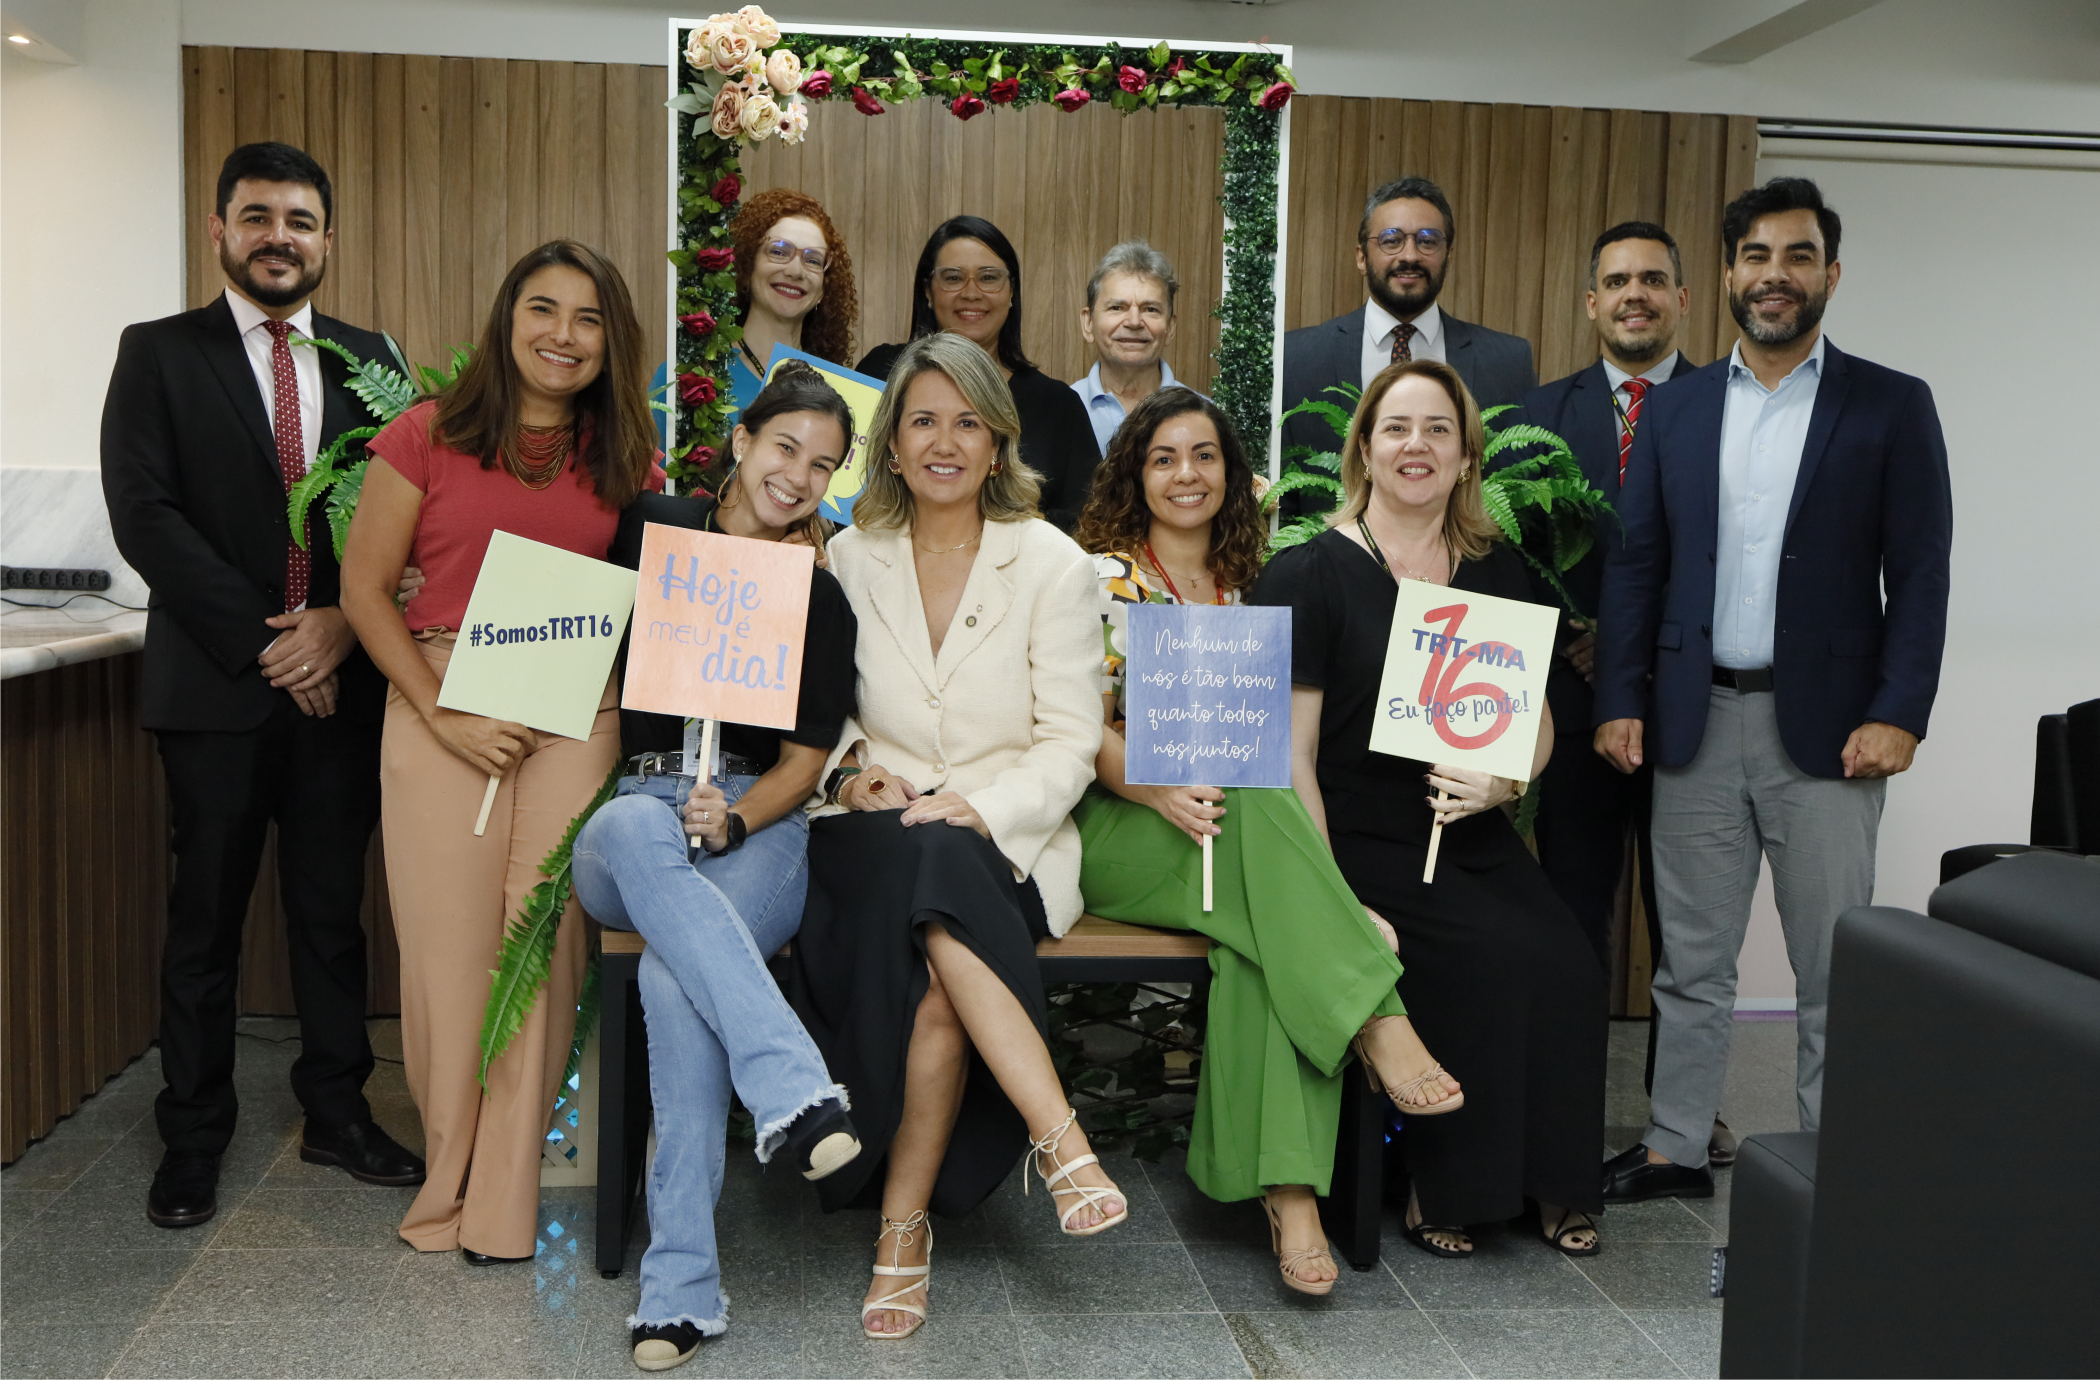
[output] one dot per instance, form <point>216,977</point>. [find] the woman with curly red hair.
<point>794,286</point>
<point>1301,972</point>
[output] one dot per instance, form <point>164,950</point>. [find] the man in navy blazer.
<point>1747,649</point>
<point>1403,249</point>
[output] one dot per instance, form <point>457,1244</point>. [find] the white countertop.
<point>35,639</point>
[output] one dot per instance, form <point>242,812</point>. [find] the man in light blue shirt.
<point>1129,320</point>
<point>1762,432</point>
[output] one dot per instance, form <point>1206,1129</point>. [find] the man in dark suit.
<point>265,707</point>
<point>1403,249</point>
<point>1745,647</point>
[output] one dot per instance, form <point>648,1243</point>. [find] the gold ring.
<point>307,667</point>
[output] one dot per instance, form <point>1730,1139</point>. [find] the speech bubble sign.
<point>1465,679</point>
<point>862,394</point>
<point>718,627</point>
<point>1207,696</point>
<point>542,628</point>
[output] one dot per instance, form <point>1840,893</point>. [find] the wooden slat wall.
<point>1531,187</point>
<point>1063,187</point>
<point>446,170</point>
<point>85,864</point>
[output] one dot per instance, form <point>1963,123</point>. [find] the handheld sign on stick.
<point>541,631</point>
<point>1207,699</point>
<point>718,629</point>
<point>862,394</point>
<point>1464,684</point>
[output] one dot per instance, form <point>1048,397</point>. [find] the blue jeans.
<point>716,1019</point>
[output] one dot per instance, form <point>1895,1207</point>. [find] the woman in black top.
<point>969,282</point>
<point>1499,978</point>
<point>714,911</point>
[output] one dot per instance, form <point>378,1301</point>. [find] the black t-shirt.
<point>1057,437</point>
<point>1341,605</point>
<point>827,653</point>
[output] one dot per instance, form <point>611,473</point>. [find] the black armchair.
<point>2066,811</point>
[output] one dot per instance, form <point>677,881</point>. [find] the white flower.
<point>784,72</point>
<point>794,121</point>
<point>730,49</point>
<point>727,118</point>
<point>764,32</point>
<point>699,44</point>
<point>760,118</point>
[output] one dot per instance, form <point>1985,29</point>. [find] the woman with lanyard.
<point>794,287</point>
<point>713,913</point>
<point>1301,972</point>
<point>1499,978</point>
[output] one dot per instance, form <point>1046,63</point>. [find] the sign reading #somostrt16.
<point>718,627</point>
<point>1465,679</point>
<point>1207,696</point>
<point>542,628</point>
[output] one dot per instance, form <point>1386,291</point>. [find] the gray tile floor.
<point>301,1274</point>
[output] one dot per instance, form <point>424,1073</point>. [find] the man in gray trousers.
<point>1745,647</point>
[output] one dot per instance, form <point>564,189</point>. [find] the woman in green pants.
<point>1301,972</point>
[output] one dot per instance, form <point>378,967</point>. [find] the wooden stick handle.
<point>488,799</point>
<point>1436,840</point>
<point>1206,874</point>
<point>705,770</point>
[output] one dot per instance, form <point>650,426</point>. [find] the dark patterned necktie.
<point>291,452</point>
<point>1403,333</point>
<point>1636,389</point>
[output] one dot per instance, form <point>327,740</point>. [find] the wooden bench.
<point>1095,950</point>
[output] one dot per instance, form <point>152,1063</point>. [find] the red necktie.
<point>1636,389</point>
<point>1403,333</point>
<point>291,452</point>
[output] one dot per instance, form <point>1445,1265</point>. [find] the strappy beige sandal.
<point>1289,1261</point>
<point>903,1231</point>
<point>1406,1096</point>
<point>1088,1197</point>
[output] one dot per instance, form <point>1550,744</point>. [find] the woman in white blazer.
<point>944,849</point>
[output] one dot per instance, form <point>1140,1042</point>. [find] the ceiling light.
<point>16,38</point>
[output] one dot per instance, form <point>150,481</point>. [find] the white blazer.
<point>1009,714</point>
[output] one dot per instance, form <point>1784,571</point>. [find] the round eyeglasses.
<point>785,251</point>
<point>1428,243</point>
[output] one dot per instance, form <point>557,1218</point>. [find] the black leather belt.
<point>1749,682</point>
<point>649,764</point>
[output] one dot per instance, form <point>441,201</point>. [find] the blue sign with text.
<point>1207,696</point>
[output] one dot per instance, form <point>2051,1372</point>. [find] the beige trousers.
<point>454,895</point>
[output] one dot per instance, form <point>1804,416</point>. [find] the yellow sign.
<point>1465,680</point>
<point>862,394</point>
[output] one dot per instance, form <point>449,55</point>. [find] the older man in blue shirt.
<point>1770,637</point>
<point>1129,320</point>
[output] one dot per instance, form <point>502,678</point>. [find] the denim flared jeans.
<point>717,1022</point>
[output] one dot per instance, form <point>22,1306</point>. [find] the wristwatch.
<point>837,784</point>
<point>738,830</point>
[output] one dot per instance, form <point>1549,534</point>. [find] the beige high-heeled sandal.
<point>920,1273</point>
<point>1405,1095</point>
<point>1289,1261</point>
<point>1088,1197</point>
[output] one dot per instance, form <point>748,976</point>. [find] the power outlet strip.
<point>85,581</point>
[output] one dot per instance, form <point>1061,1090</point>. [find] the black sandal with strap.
<point>1571,1221</point>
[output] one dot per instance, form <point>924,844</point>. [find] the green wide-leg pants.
<point>1296,970</point>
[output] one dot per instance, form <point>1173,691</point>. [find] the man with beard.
<point>1745,647</point>
<point>265,707</point>
<point>1403,249</point>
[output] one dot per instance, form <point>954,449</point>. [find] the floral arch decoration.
<point>738,79</point>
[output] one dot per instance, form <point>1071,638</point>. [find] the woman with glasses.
<point>794,287</point>
<point>969,282</point>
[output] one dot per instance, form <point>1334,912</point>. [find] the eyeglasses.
<point>784,251</point>
<point>991,280</point>
<point>1429,243</point>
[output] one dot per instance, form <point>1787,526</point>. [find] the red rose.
<point>714,260</point>
<point>1174,69</point>
<point>1071,99</point>
<point>815,84</point>
<point>1131,79</point>
<point>1277,96</point>
<point>864,103</point>
<point>698,323</point>
<point>966,105</point>
<point>1003,91</point>
<point>697,390</point>
<point>700,457</point>
<point>727,190</point>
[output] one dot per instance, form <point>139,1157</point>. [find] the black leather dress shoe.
<point>185,1191</point>
<point>1720,1151</point>
<point>368,1153</point>
<point>474,1257</point>
<point>1629,1178</point>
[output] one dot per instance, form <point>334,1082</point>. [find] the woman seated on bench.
<point>713,913</point>
<point>1303,972</point>
<point>976,733</point>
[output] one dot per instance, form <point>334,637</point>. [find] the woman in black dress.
<point>969,282</point>
<point>1499,978</point>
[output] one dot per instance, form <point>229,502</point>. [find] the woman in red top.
<point>547,435</point>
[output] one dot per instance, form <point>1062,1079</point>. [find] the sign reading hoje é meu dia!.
<point>1207,696</point>
<point>1465,679</point>
<point>718,627</point>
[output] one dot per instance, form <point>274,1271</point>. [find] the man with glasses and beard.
<point>1770,640</point>
<point>266,708</point>
<point>1403,249</point>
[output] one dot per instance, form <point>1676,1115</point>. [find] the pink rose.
<point>1070,99</point>
<point>727,117</point>
<point>764,32</point>
<point>864,103</point>
<point>816,84</point>
<point>761,117</point>
<point>1003,91</point>
<point>714,260</point>
<point>698,323</point>
<point>784,72</point>
<point>1131,79</point>
<point>1277,96</point>
<point>727,190</point>
<point>731,51</point>
<point>966,105</point>
<point>700,457</point>
<point>699,44</point>
<point>696,390</point>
